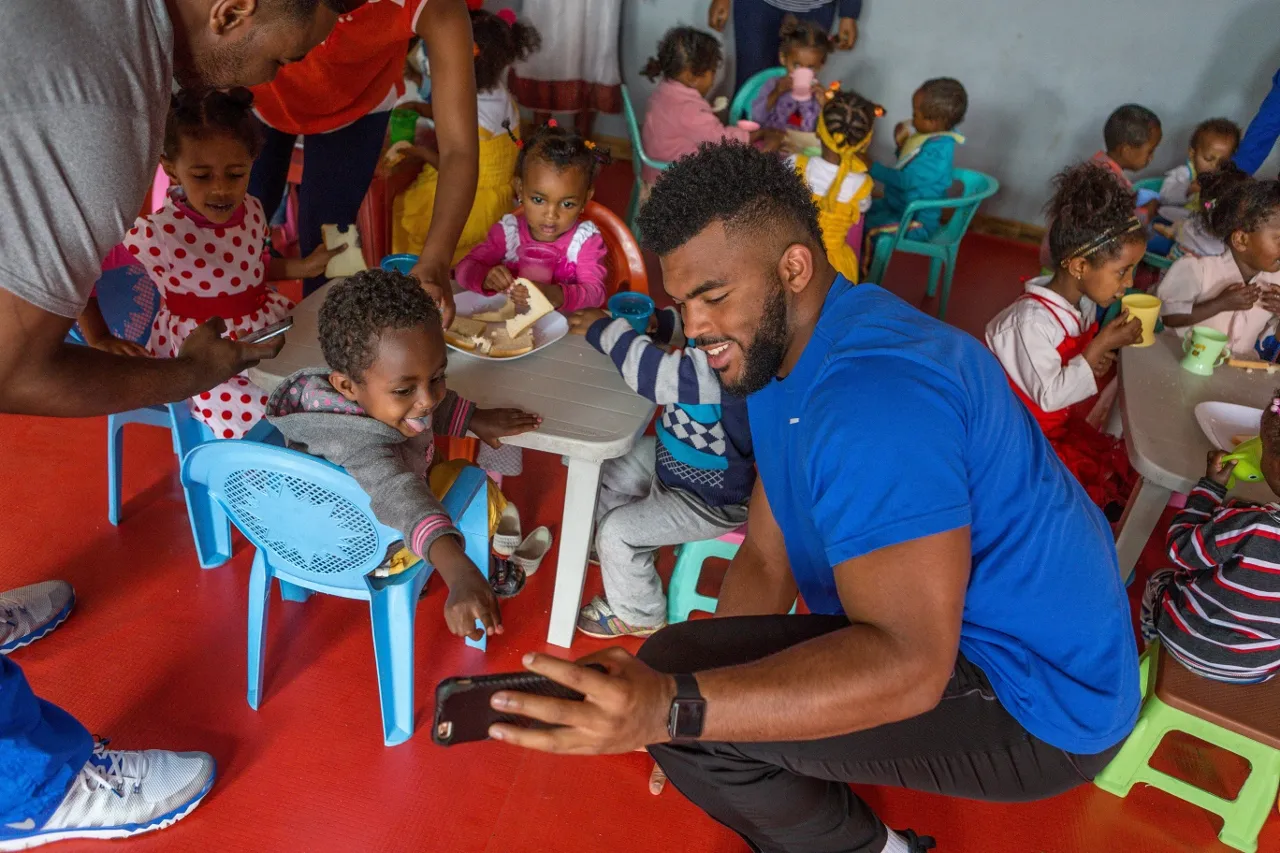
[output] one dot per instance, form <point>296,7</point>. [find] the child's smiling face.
<point>213,172</point>
<point>406,381</point>
<point>553,199</point>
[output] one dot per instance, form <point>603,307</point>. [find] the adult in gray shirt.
<point>84,89</point>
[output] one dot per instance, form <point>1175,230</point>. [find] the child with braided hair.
<point>838,179</point>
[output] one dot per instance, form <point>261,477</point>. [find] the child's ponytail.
<point>501,39</point>
<point>1092,214</point>
<point>652,69</point>
<point>684,49</point>
<point>563,149</point>
<point>203,114</point>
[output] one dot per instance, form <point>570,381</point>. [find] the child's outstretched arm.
<point>456,417</point>
<point>314,264</point>
<point>1203,536</point>
<point>93,327</point>
<point>587,289</point>
<point>471,270</point>
<point>679,377</point>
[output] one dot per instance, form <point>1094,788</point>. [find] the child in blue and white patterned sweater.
<point>689,482</point>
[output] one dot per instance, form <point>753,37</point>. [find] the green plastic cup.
<point>404,125</point>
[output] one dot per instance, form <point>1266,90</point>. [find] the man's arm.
<point>759,579</point>
<point>1261,135</point>
<point>42,375</point>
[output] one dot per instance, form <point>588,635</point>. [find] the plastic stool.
<point>1240,718</point>
<point>682,593</point>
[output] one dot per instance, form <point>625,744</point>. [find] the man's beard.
<point>762,359</point>
<point>218,69</point>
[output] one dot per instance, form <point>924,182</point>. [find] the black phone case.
<point>463,714</point>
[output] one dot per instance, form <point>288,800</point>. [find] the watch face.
<point>687,718</point>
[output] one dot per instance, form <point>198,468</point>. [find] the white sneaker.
<point>118,794</point>
<point>30,612</point>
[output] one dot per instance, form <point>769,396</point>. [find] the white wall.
<point>1042,75</point>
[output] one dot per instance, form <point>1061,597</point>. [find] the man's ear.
<point>344,385</point>
<point>227,15</point>
<point>795,267</point>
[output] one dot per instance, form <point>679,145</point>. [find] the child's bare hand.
<point>768,139</point>
<point>1269,298</point>
<point>1165,231</point>
<point>489,425</point>
<point>1102,366</point>
<point>1217,470</point>
<point>1237,297</point>
<point>116,346</point>
<point>1193,187</point>
<point>1150,209</point>
<point>499,279</point>
<point>315,263</point>
<point>580,321</point>
<point>1122,331</point>
<point>471,598</point>
<point>901,131</point>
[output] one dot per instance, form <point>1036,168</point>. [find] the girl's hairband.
<point>601,155</point>
<point>1133,224</point>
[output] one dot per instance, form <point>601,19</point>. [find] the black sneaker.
<point>917,843</point>
<point>505,577</point>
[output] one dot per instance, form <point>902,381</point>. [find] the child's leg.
<point>628,478</point>
<point>1151,597</point>
<point>630,536</point>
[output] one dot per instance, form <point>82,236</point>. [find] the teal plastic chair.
<point>1160,262</point>
<point>313,528</point>
<point>682,592</point>
<point>638,160</point>
<point>1246,722</point>
<point>740,108</point>
<point>944,245</point>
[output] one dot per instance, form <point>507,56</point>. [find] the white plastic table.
<point>1165,443</point>
<point>588,415</point>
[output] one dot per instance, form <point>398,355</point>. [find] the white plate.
<point>1222,422</point>
<point>546,331</point>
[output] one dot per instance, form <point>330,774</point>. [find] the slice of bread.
<point>507,346</point>
<point>539,307</point>
<point>465,333</point>
<point>502,315</point>
<point>351,261</point>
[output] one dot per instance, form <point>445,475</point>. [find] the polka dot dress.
<point>184,253</point>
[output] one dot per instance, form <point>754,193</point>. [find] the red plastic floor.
<point>154,656</point>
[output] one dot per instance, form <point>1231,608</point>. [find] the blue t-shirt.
<point>894,426</point>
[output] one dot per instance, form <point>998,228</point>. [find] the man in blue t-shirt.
<point>971,635</point>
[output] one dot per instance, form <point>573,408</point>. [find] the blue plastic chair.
<point>1160,262</point>
<point>313,528</point>
<point>943,247</point>
<point>740,108</point>
<point>638,160</point>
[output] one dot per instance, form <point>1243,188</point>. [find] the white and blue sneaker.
<point>30,612</point>
<point>118,794</point>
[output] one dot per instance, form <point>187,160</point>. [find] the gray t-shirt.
<point>84,90</point>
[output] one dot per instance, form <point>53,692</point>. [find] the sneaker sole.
<point>28,639</point>
<point>605,635</point>
<point>107,833</point>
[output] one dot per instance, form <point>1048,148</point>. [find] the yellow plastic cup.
<point>1147,309</point>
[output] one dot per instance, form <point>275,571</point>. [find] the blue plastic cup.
<point>399,263</point>
<point>635,308</point>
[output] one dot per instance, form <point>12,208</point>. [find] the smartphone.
<point>275,330</point>
<point>463,714</point>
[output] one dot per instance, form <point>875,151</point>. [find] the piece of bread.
<point>351,261</point>
<point>462,342</point>
<point>465,333</point>
<point>506,346</point>
<point>502,315</point>
<point>539,307</point>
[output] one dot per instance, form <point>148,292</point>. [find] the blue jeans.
<point>755,34</point>
<point>337,169</point>
<point>42,748</point>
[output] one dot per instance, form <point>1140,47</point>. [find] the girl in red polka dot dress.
<point>206,249</point>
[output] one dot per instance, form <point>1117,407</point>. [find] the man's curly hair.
<point>727,182</point>
<point>358,309</point>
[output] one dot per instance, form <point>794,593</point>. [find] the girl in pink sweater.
<point>555,174</point>
<point>678,118</point>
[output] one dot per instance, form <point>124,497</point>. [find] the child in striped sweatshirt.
<point>689,482</point>
<point>1218,613</point>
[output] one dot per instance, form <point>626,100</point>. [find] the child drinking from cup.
<point>679,118</point>
<point>1048,340</point>
<point>500,41</point>
<point>926,149</point>
<point>206,248</point>
<point>838,179</point>
<point>376,409</point>
<point>1238,291</point>
<point>549,243</point>
<point>793,102</point>
<point>1217,613</point>
<point>688,482</point>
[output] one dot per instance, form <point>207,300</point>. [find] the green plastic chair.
<point>1241,708</point>
<point>944,245</point>
<point>638,160</point>
<point>741,106</point>
<point>1160,262</point>
<point>682,593</point>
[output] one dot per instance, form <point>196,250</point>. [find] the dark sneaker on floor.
<point>505,577</point>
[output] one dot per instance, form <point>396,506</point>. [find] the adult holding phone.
<point>82,118</point>
<point>339,100</point>
<point>757,24</point>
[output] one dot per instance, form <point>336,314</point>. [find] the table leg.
<point>580,494</point>
<point>1146,505</point>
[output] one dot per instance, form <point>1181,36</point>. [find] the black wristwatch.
<point>688,710</point>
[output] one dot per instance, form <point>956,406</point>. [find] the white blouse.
<point>1192,280</point>
<point>820,174</point>
<point>1025,338</point>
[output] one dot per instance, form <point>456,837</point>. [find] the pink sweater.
<point>580,270</point>
<point>676,121</point>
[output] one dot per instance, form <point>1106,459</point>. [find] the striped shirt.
<point>848,8</point>
<point>1220,616</point>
